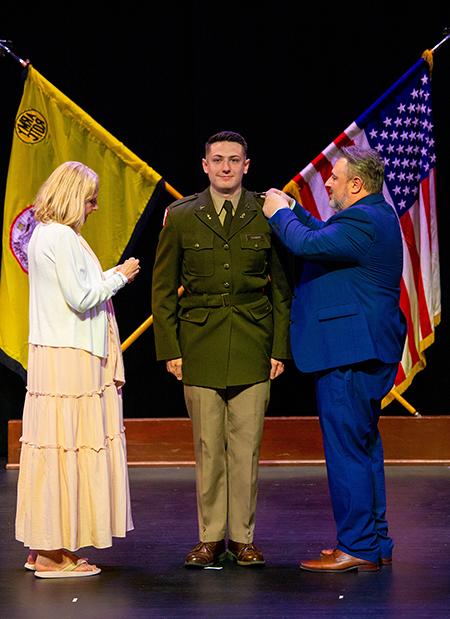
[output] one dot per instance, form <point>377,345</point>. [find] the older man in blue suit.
<point>347,328</point>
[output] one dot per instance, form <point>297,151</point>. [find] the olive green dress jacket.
<point>233,315</point>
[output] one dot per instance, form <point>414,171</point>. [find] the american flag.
<point>399,126</point>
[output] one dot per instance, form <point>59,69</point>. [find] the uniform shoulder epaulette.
<point>184,200</point>
<point>259,196</point>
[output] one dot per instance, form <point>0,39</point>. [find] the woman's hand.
<point>130,268</point>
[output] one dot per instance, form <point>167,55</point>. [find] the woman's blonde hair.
<point>63,196</point>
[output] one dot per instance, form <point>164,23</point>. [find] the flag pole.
<point>404,403</point>
<point>446,37</point>
<point>176,194</point>
<point>143,327</point>
<point>5,49</point>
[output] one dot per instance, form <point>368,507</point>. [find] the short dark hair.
<point>226,136</point>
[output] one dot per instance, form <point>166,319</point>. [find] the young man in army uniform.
<point>225,338</point>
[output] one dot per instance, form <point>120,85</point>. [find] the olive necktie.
<point>228,206</point>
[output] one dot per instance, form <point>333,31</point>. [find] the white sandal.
<point>69,571</point>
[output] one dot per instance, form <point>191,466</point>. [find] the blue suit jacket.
<point>346,299</point>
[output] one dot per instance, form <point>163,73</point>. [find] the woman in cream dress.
<point>73,486</point>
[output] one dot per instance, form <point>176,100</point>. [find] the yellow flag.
<point>50,129</point>
<point>292,189</point>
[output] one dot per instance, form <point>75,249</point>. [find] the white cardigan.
<point>68,291</point>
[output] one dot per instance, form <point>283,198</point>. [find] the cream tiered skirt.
<point>73,486</point>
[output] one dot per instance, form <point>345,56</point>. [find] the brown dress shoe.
<point>338,561</point>
<point>245,554</point>
<point>205,554</point>
<point>326,552</point>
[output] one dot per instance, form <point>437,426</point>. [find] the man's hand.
<point>275,199</point>
<point>277,368</point>
<point>174,366</point>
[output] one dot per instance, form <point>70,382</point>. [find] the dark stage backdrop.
<point>163,78</point>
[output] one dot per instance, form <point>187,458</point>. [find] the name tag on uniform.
<point>254,237</point>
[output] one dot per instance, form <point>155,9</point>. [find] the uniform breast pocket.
<point>198,255</point>
<point>255,248</point>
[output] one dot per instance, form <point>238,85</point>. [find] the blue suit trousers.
<point>349,407</point>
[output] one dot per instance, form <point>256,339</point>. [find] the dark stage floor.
<point>143,575</point>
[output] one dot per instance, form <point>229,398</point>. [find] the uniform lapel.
<point>246,210</point>
<point>205,211</point>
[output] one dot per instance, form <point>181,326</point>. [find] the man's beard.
<point>337,205</point>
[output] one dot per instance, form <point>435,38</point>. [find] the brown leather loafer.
<point>338,561</point>
<point>245,554</point>
<point>205,554</point>
<point>326,552</point>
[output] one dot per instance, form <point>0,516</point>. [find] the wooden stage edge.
<point>286,441</point>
